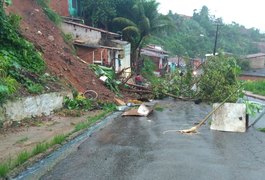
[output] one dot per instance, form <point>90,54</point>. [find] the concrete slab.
<point>230,117</point>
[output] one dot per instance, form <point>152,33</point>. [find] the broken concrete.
<point>230,117</point>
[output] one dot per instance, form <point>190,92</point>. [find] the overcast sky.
<point>244,12</point>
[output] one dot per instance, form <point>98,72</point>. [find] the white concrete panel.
<point>230,117</point>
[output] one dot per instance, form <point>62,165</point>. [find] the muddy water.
<point>136,148</point>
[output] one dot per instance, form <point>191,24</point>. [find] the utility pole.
<point>216,38</point>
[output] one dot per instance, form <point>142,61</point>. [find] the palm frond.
<point>123,22</point>
<point>131,31</point>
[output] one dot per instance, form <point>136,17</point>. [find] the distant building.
<point>256,61</point>
<point>158,56</point>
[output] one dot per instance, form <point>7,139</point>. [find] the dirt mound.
<point>47,38</point>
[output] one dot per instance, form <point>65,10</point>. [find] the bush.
<point>18,57</point>
<point>78,103</point>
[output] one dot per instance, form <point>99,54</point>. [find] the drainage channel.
<point>41,167</point>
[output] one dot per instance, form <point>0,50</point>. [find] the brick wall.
<point>60,6</point>
<point>87,54</point>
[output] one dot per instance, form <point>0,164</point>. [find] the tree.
<point>99,13</point>
<point>142,20</point>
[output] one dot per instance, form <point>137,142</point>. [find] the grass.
<point>257,87</point>
<point>35,88</point>
<point>4,169</point>
<point>22,157</point>
<point>59,139</point>
<point>90,121</point>
<point>39,148</point>
<point>261,129</point>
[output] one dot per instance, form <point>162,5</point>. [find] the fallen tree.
<point>217,79</point>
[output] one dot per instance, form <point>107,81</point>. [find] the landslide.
<point>47,38</point>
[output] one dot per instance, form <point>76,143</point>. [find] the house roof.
<point>120,42</point>
<point>152,53</point>
<point>176,60</point>
<point>96,46</point>
<point>255,55</point>
<point>92,28</point>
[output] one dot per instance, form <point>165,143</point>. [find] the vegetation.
<point>217,80</point>
<point>137,27</point>
<point>91,120</point>
<point>262,130</point>
<point>195,36</point>
<point>140,23</point>
<point>53,16</point>
<point>257,87</point>
<point>20,64</point>
<point>252,108</point>
<point>79,102</point>
<point>99,13</point>
<point>109,73</point>
<point>6,167</point>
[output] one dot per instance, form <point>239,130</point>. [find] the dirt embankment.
<point>47,38</point>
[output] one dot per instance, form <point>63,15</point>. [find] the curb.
<point>250,94</point>
<point>37,170</point>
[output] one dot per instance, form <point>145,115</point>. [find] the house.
<point>66,7</point>
<point>158,56</point>
<point>256,61</point>
<point>98,46</point>
<point>93,45</point>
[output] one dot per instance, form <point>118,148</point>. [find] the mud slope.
<point>38,29</point>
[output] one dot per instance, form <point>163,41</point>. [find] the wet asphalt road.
<point>135,148</point>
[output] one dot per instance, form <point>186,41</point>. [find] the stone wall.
<point>32,106</point>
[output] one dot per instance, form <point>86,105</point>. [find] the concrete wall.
<point>229,117</point>
<point>32,106</point>
<point>257,62</point>
<point>82,33</point>
<point>60,6</point>
<point>125,58</point>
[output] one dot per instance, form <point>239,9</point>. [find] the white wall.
<point>82,33</point>
<point>32,106</point>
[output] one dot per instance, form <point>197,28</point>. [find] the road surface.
<point>135,148</point>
